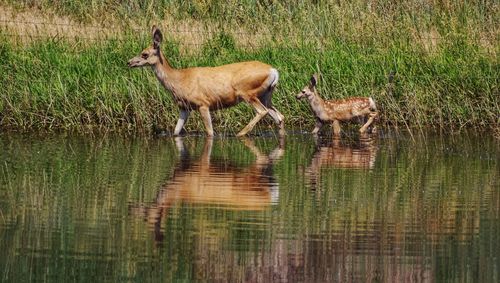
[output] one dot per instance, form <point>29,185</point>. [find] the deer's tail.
<point>373,106</point>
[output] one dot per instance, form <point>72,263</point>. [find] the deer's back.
<point>222,86</point>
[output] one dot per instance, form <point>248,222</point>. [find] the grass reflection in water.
<point>261,209</point>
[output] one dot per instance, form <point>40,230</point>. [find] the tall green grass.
<point>443,56</point>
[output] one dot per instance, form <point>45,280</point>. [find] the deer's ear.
<point>314,80</point>
<point>157,37</point>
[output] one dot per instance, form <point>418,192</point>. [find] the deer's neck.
<point>166,74</point>
<point>318,106</point>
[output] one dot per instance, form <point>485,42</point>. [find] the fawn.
<point>333,111</point>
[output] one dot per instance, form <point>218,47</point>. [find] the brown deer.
<point>211,88</point>
<point>203,181</point>
<point>333,111</point>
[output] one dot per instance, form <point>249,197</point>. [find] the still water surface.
<point>114,209</point>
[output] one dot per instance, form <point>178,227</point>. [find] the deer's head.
<point>150,55</point>
<point>310,89</point>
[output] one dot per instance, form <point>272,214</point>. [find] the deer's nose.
<point>130,63</point>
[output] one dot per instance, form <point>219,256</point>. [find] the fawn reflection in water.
<point>336,153</point>
<point>218,182</point>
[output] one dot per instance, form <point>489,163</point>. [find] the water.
<point>115,209</point>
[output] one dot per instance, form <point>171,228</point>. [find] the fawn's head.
<point>150,55</point>
<point>310,89</point>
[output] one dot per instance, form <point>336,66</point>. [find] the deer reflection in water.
<point>203,181</point>
<point>336,153</point>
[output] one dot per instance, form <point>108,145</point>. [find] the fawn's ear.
<point>314,81</point>
<point>157,37</point>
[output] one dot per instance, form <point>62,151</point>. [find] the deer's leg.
<point>278,118</point>
<point>207,120</point>
<point>272,111</point>
<point>183,116</point>
<point>276,115</point>
<point>336,127</point>
<point>369,122</point>
<point>317,127</point>
<point>261,112</point>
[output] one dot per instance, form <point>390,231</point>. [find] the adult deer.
<point>333,111</point>
<point>211,88</point>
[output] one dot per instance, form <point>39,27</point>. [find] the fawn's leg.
<point>317,127</point>
<point>336,127</point>
<point>369,122</point>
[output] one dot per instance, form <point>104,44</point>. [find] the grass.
<point>444,56</point>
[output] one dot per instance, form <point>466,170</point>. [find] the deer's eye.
<point>144,56</point>
<point>303,92</point>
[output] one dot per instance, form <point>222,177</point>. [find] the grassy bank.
<point>444,57</point>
